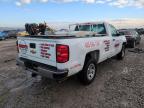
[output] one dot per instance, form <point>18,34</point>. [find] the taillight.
<point>17,46</point>
<point>62,53</point>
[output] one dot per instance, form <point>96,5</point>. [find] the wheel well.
<point>92,55</point>
<point>124,43</point>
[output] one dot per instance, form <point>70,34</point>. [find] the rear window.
<point>98,28</point>
<point>83,28</point>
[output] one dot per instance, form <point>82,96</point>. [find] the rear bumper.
<point>56,74</point>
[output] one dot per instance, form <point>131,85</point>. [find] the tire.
<point>121,55</point>
<point>87,75</point>
<point>133,44</point>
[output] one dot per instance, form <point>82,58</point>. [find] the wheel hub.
<point>91,71</point>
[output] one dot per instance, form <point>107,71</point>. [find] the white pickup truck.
<point>75,52</point>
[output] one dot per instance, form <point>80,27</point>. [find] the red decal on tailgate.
<point>44,50</point>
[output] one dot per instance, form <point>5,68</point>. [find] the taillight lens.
<point>62,53</point>
<point>17,46</point>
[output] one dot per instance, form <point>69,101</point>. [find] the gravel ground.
<point>119,84</point>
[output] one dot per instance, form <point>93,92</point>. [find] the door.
<point>115,41</point>
<point>104,39</point>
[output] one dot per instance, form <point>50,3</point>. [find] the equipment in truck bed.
<point>35,29</point>
<point>38,29</point>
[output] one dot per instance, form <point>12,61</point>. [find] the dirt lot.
<point>119,84</point>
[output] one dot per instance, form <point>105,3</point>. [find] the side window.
<point>113,30</point>
<point>99,28</point>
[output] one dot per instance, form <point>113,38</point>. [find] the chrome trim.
<point>41,71</point>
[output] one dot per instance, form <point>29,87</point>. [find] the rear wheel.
<point>87,75</point>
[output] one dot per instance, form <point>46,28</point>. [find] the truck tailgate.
<point>38,49</point>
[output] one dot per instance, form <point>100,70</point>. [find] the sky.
<point>15,13</point>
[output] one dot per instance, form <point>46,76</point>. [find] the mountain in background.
<point>10,28</point>
<point>118,23</point>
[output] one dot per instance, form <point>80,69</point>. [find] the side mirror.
<point>122,33</point>
<point>116,35</point>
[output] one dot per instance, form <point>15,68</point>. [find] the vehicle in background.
<point>132,37</point>
<point>140,31</point>
<point>2,36</point>
<point>6,34</point>
<point>12,34</point>
<point>22,33</point>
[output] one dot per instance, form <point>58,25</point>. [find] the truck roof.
<point>89,23</point>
